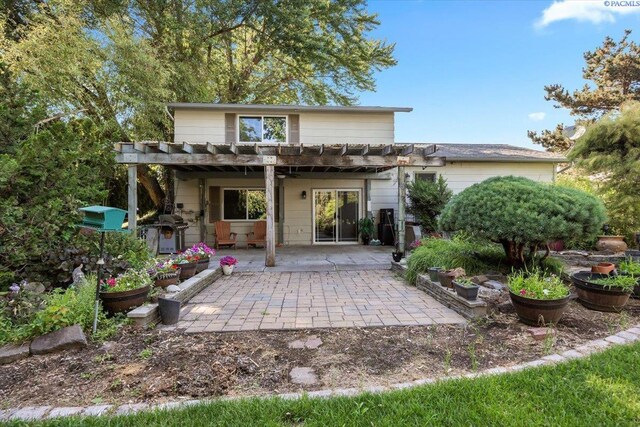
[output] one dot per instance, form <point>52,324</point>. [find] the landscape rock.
<point>63,339</point>
<point>478,280</point>
<point>35,287</point>
<point>494,284</point>
<point>506,307</point>
<point>312,342</point>
<point>171,289</point>
<point>306,376</point>
<point>540,334</point>
<point>488,294</point>
<point>12,352</point>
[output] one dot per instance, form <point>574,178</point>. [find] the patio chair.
<point>224,235</point>
<point>258,235</point>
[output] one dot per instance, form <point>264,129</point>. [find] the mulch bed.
<point>157,366</point>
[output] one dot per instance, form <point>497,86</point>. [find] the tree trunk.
<point>151,184</point>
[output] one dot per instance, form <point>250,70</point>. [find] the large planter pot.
<point>167,279</point>
<point>611,243</point>
<point>118,302</point>
<point>202,265</point>
<point>603,267</point>
<point>169,310</point>
<point>397,256</point>
<point>537,311</point>
<point>227,270</point>
<point>433,273</point>
<point>469,293</point>
<point>446,279</point>
<point>597,297</point>
<point>187,270</point>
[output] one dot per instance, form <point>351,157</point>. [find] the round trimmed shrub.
<point>523,215</point>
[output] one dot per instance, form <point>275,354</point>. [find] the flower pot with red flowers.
<point>126,291</point>
<point>204,252</point>
<point>165,273</point>
<point>227,263</point>
<point>187,263</point>
<point>538,299</point>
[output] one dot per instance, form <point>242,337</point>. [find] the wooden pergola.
<point>230,157</point>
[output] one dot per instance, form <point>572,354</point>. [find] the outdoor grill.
<point>171,233</point>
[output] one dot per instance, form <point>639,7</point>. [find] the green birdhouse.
<point>103,218</point>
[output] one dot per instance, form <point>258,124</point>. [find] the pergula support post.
<point>281,211</point>
<point>132,199</point>
<point>99,279</point>
<point>270,244</point>
<point>402,200</point>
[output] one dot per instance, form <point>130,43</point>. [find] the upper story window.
<point>262,129</point>
<point>431,177</point>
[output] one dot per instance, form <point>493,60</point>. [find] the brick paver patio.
<point>301,300</point>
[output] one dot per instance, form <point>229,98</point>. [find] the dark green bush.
<point>427,199</point>
<point>523,215</point>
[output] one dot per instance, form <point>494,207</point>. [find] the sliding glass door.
<point>335,216</point>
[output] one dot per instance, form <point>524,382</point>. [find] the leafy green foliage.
<point>520,213</point>
<point>57,310</point>
<point>630,266</point>
<point>623,283</point>
<point>127,281</point>
<point>427,199</point>
<point>537,285</point>
<point>611,148</point>
<point>474,256</point>
<point>365,227</point>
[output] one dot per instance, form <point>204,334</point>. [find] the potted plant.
<point>433,273</point>
<point>603,292</point>
<point>126,291</point>
<point>603,267</point>
<point>165,273</point>
<point>204,253</point>
<point>188,263</point>
<point>538,299</point>
<point>465,288</point>
<point>227,263</point>
<point>631,268</point>
<point>365,228</point>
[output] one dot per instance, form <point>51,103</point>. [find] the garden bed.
<point>155,366</point>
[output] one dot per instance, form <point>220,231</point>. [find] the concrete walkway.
<point>312,258</point>
<point>311,299</point>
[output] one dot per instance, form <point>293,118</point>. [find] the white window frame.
<point>261,117</point>
<point>246,213</point>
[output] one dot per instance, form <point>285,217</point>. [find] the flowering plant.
<point>415,244</point>
<point>202,250</point>
<point>228,260</point>
<point>537,286</point>
<point>185,258</point>
<point>165,266</point>
<point>127,281</point>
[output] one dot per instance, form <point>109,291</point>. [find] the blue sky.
<point>474,71</point>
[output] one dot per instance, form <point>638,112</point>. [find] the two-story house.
<point>318,169</point>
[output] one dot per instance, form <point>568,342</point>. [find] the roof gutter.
<point>292,108</point>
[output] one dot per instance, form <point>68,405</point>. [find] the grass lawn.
<point>601,390</point>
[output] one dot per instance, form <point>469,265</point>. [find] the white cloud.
<point>595,11</point>
<point>536,117</point>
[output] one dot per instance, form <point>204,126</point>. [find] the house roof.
<point>495,153</point>
<point>289,108</point>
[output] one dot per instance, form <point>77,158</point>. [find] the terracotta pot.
<point>187,270</point>
<point>537,311</point>
<point>597,297</point>
<point>118,302</point>
<point>167,279</point>
<point>603,267</point>
<point>203,264</point>
<point>611,243</point>
<point>446,278</point>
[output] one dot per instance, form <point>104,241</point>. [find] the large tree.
<point>613,70</point>
<point>118,62</point>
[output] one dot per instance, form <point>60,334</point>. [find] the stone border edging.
<point>34,413</point>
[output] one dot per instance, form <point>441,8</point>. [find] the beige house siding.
<point>199,126</point>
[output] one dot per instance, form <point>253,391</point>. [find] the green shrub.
<point>523,215</point>
<point>60,308</point>
<point>474,256</point>
<point>427,199</point>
